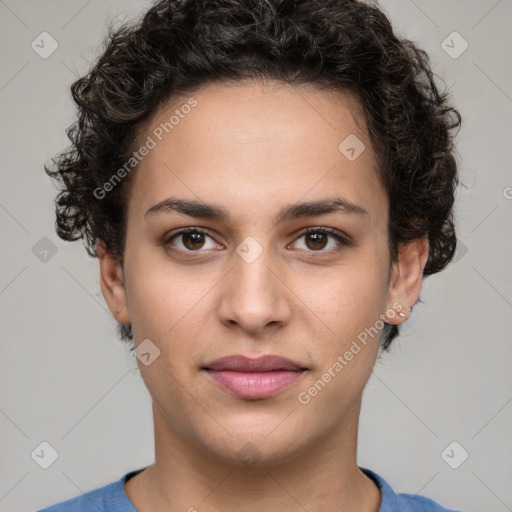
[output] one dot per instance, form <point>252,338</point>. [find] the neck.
<point>188,477</point>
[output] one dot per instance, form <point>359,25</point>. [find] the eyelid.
<point>189,229</point>
<point>342,237</point>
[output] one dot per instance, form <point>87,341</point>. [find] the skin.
<point>253,148</point>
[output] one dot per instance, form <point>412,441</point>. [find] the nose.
<point>254,296</point>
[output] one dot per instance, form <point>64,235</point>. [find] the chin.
<point>259,442</point>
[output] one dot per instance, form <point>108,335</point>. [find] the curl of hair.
<point>181,45</point>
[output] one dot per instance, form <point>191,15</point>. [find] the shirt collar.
<point>388,496</point>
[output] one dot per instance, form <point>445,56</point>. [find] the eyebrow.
<point>290,212</point>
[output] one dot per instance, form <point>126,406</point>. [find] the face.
<point>287,256</point>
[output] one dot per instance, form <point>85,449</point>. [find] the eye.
<point>192,240</point>
<point>316,239</point>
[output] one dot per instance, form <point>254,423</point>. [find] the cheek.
<point>159,297</point>
<point>170,309</point>
<point>346,335</point>
<point>348,298</point>
<point>150,305</point>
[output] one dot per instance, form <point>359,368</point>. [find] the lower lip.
<point>254,385</point>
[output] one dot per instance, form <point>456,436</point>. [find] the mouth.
<point>254,378</point>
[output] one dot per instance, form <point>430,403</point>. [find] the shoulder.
<point>417,503</point>
<point>97,500</point>
<point>109,498</point>
<point>404,502</point>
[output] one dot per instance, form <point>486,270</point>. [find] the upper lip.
<point>241,363</point>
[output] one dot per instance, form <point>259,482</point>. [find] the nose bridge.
<point>253,264</point>
<point>253,296</point>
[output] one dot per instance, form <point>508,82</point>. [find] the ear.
<point>406,279</point>
<point>112,283</point>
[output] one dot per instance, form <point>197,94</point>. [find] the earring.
<point>403,315</point>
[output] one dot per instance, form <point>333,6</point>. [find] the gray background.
<point>67,380</point>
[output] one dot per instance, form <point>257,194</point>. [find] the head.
<point>255,121</point>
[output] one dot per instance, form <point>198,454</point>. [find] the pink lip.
<point>259,377</point>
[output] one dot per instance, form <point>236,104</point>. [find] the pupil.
<point>319,238</point>
<point>196,239</point>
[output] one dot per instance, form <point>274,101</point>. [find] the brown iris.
<point>196,240</point>
<point>319,240</point>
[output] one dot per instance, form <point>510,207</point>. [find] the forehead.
<point>257,142</point>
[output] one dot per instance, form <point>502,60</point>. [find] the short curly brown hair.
<point>182,45</point>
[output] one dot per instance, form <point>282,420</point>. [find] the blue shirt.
<point>112,498</point>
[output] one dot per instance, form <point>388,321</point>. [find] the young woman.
<point>265,184</point>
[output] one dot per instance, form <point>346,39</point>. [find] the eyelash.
<point>343,240</point>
